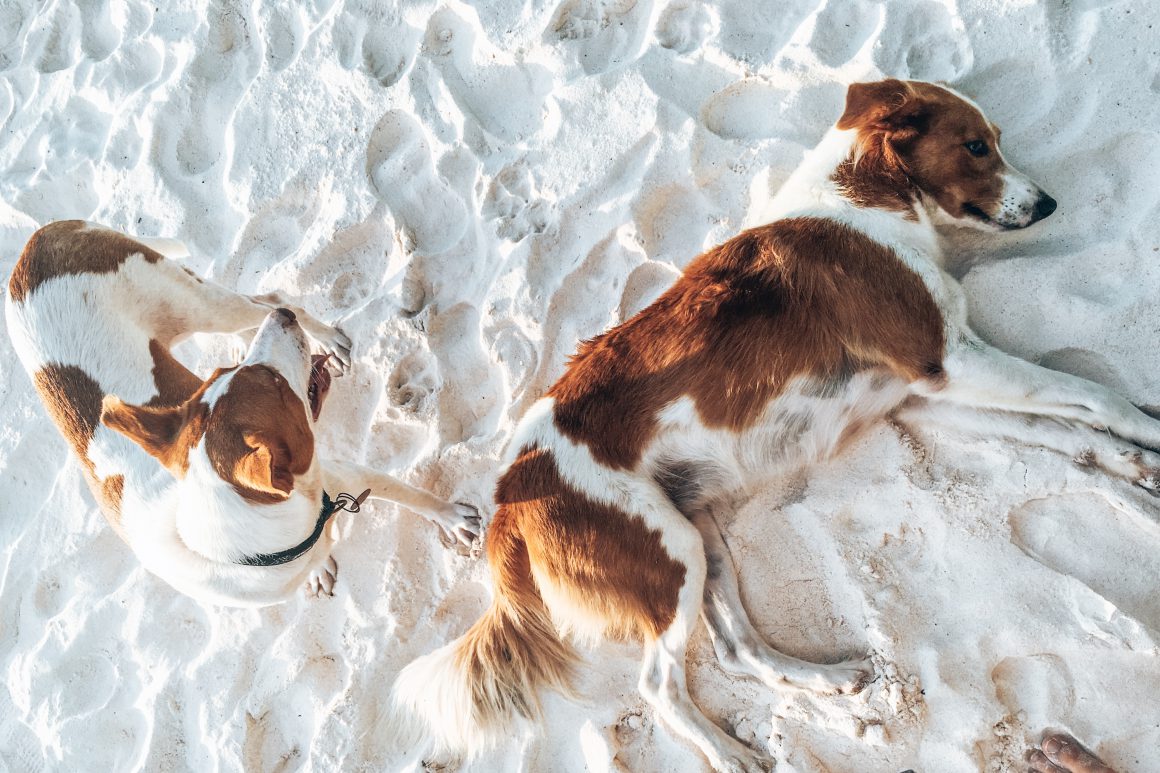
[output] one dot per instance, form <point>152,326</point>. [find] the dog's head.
<point>250,426</point>
<point>940,143</point>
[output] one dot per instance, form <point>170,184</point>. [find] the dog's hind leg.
<point>739,646</point>
<point>663,682</point>
<point>189,304</point>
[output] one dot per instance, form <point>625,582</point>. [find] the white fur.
<point>431,704</point>
<point>186,531</point>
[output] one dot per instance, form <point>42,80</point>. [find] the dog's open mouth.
<point>319,383</point>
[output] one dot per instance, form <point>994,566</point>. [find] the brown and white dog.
<point>215,483</point>
<point>771,351</point>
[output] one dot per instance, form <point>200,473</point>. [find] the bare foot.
<point>1061,753</point>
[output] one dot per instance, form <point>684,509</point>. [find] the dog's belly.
<point>809,421</point>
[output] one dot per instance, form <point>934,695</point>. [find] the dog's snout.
<point>288,316</point>
<point>1044,206</point>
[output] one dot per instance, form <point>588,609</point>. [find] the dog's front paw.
<point>321,580</point>
<point>335,343</point>
<point>461,529</point>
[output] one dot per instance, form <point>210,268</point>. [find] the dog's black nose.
<point>1043,207</point>
<point>286,314</point>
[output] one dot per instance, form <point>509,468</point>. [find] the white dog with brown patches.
<point>771,351</point>
<point>215,483</point>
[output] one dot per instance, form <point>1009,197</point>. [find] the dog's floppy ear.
<point>266,467</point>
<point>154,429</point>
<point>889,106</point>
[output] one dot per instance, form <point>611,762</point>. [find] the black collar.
<point>330,506</point>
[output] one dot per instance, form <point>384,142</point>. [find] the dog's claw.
<point>339,347</point>
<point>461,530</point>
<point>321,581</point>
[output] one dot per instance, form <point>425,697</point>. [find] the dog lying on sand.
<point>772,350</point>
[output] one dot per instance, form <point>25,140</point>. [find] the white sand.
<point>470,193</point>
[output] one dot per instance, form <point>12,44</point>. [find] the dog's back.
<point>77,309</point>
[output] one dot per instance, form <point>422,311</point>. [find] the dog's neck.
<point>878,201</point>
<point>213,519</point>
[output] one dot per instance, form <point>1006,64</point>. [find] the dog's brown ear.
<point>888,106</point>
<point>154,429</point>
<point>266,467</point>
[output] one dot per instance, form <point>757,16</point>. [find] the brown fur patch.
<point>804,296</point>
<point>168,433</point>
<point>606,560</point>
<point>258,436</point>
<point>911,138</point>
<point>68,247</point>
<point>175,383</point>
<point>877,179</point>
<point>73,401</point>
<point>514,650</point>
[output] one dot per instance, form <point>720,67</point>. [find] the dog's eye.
<point>977,148</point>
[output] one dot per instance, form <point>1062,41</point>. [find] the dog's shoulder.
<point>70,247</point>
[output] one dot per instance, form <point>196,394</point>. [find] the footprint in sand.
<point>355,262</point>
<point>399,164</point>
<point>82,675</point>
<point>133,67</point>
<point>517,354</point>
<point>282,228</point>
<point>1073,25</point>
<point>1114,185</point>
<point>14,24</point>
<point>60,40</point>
<point>513,202</point>
<point>673,220</point>
<point>601,35</point>
<point>471,399</point>
<point>1036,691</point>
<point>285,33</point>
<point>413,380</point>
<point>842,28</point>
<point>746,110</point>
<point>505,96</point>
<point>190,147</point>
<point>644,285</point>
<point>685,25</point>
<point>1113,552</point>
<point>375,37</point>
<point>754,33</point>
<point>754,109</point>
<point>923,41</point>
<point>1039,685</point>
<point>99,36</point>
<point>65,155</point>
<point>291,701</point>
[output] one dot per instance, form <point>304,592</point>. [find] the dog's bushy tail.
<point>470,694</point>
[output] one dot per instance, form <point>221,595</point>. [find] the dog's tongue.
<point>320,380</point>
